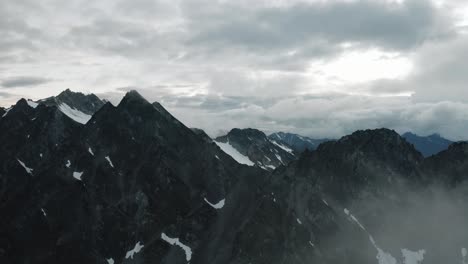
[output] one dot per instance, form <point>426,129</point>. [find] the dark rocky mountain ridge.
<point>428,145</point>
<point>135,185</point>
<point>88,104</point>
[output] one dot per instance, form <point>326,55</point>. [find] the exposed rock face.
<point>259,149</point>
<point>135,185</point>
<point>429,145</point>
<point>297,142</point>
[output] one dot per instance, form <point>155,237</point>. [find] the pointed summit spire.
<point>133,97</point>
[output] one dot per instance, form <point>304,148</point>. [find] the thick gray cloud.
<point>379,23</point>
<point>309,66</point>
<point>21,81</point>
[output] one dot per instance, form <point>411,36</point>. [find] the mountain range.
<point>84,181</point>
<point>428,145</point>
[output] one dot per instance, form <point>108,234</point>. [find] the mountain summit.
<point>253,147</point>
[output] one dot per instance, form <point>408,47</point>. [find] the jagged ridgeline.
<point>84,181</point>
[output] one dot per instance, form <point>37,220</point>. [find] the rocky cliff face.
<point>135,185</point>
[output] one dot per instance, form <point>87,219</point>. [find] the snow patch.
<point>312,244</point>
<point>32,104</point>
<point>6,112</point>
<point>90,151</point>
<point>40,155</point>
<point>28,170</point>
<point>354,218</point>
<point>299,221</point>
<point>68,164</point>
<point>43,212</point>
<point>325,202</point>
<point>74,114</point>
<point>77,175</point>
<point>236,155</point>
<point>176,242</point>
<point>110,261</point>
<point>110,162</point>
<point>382,256</point>
<point>279,158</point>
<point>464,253</point>
<point>135,250</point>
<point>218,205</point>
<point>411,257</point>
<point>282,147</point>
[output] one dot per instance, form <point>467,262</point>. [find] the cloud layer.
<point>320,68</point>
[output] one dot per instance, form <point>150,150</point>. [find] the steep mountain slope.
<point>429,145</point>
<point>2,111</point>
<point>252,147</point>
<point>297,142</point>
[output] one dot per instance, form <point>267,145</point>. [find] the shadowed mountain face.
<point>429,145</point>
<point>297,142</point>
<point>134,185</point>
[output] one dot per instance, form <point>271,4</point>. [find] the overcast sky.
<point>315,67</point>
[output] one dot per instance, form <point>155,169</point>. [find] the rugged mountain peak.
<point>381,142</point>
<point>85,103</point>
<point>21,106</point>
<point>252,147</point>
<point>134,95</point>
<point>134,101</point>
<point>248,132</point>
<point>366,159</point>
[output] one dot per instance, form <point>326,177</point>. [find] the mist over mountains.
<point>84,181</point>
